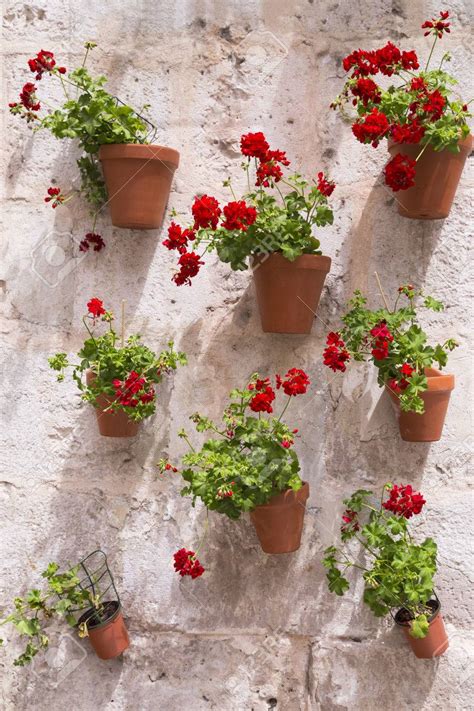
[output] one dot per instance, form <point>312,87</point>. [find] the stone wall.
<point>256,632</point>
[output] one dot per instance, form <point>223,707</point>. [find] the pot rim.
<point>319,262</point>
<point>142,151</point>
<point>304,489</point>
<point>463,143</point>
<point>110,619</point>
<point>431,618</point>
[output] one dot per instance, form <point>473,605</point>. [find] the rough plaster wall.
<point>256,632</point>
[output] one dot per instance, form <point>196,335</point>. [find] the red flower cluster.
<point>189,264</point>
<point>238,216</point>
<point>371,128</point>
<point>265,395</point>
<point>366,90</point>
<point>436,26</point>
<point>403,501</point>
<point>336,354</point>
<point>400,172</point>
<point>398,385</point>
<point>325,187</point>
<point>382,337</point>
<point>410,132</point>
<point>28,97</point>
<point>286,443</point>
<point>44,62</point>
<point>186,563</point>
<point>434,104</point>
<point>206,212</point>
<point>134,384</point>
<point>386,60</point>
<point>350,520</point>
<point>92,239</point>
<point>255,145</point>
<point>226,493</point>
<point>170,468</point>
<point>96,307</point>
<point>296,382</point>
<point>178,238</point>
<point>54,194</point>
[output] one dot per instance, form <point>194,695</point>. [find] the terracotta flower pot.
<point>436,641</point>
<point>138,179</point>
<point>436,180</point>
<point>109,638</point>
<point>112,424</point>
<point>288,293</point>
<point>279,523</point>
<point>427,427</point>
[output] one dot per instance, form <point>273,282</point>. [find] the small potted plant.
<point>120,375</point>
<point>272,230</point>
<point>424,120</point>
<point>248,465</point>
<point>397,572</point>
<point>86,598</point>
<point>137,173</point>
<point>395,343</point>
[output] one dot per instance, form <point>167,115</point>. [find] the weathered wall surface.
<point>256,632</point>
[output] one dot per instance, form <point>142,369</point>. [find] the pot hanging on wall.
<point>436,641</point>
<point>107,634</point>
<point>279,523</point>
<point>112,424</point>
<point>427,427</point>
<point>288,293</point>
<point>436,180</point>
<point>138,179</point>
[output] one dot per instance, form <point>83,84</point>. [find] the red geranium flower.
<point>206,212</point>
<point>437,26</point>
<point>364,63</point>
<point>186,563</point>
<point>371,128</point>
<point>381,331</point>
<point>276,156</point>
<point>403,501</point>
<point>388,58</point>
<point>238,216</point>
<point>335,355</point>
<point>325,187</point>
<point>296,382</point>
<point>178,238</point>
<point>96,307</point>
<point>367,91</point>
<point>407,369</point>
<point>189,264</point>
<point>400,172</point>
<point>44,62</point>
<point>267,172</point>
<point>410,60</point>
<point>28,97</point>
<point>92,238</point>
<point>254,145</point>
<point>54,194</point>
<point>434,104</point>
<point>350,519</point>
<point>265,395</point>
<point>410,132</point>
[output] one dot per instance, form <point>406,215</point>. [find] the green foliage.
<point>409,343</point>
<point>245,457</point>
<point>397,572</point>
<point>284,224</point>
<point>34,611</point>
<point>109,361</point>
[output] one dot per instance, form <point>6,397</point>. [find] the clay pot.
<point>138,179</point>
<point>436,180</point>
<point>436,641</point>
<point>279,523</point>
<point>111,424</point>
<point>427,427</point>
<point>288,293</point>
<point>109,638</point>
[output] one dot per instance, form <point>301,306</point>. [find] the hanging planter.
<point>436,180</point>
<point>269,230</point>
<point>396,344</point>
<point>428,426</point>
<point>436,641</point>
<point>84,596</point>
<point>397,572</point>
<point>423,119</point>
<point>120,165</point>
<point>120,375</point>
<point>138,179</point>
<point>248,465</point>
<point>288,293</point>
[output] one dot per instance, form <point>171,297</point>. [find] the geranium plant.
<point>88,114</point>
<point>264,220</point>
<point>397,572</point>
<point>125,371</point>
<point>393,340</point>
<point>422,108</point>
<point>63,595</point>
<point>248,459</point>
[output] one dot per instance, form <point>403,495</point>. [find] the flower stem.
<point>381,292</point>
